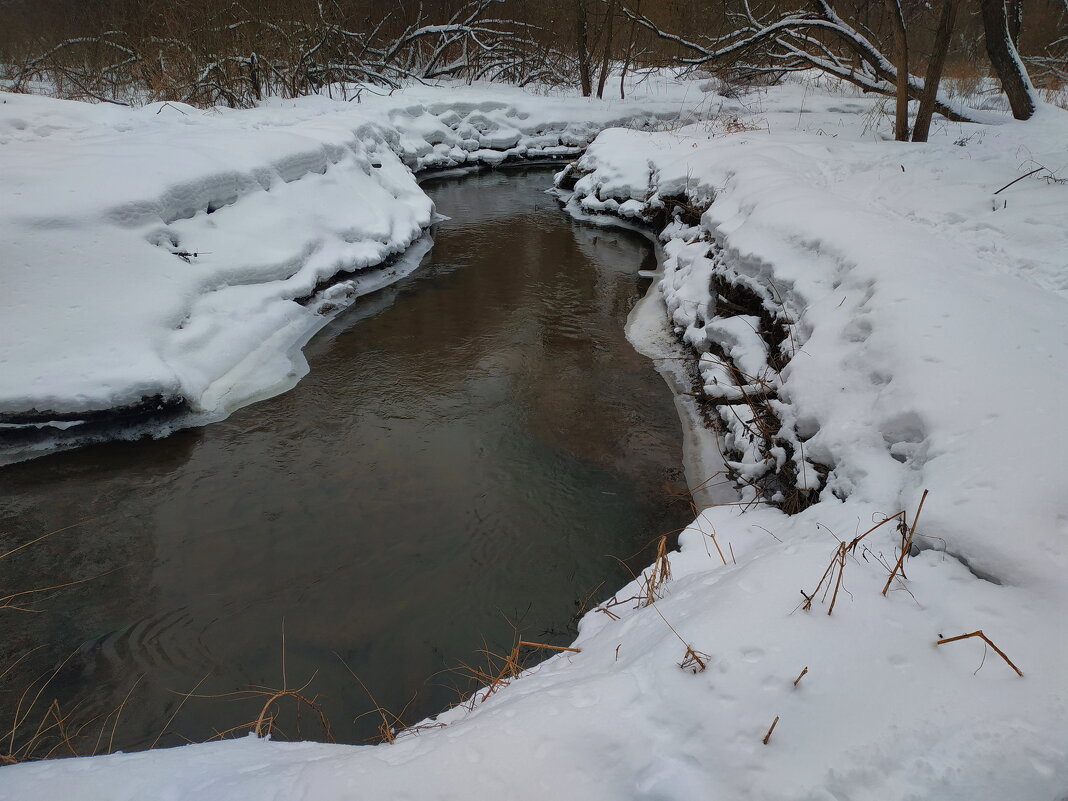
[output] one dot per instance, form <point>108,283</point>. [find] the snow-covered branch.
<point>818,38</point>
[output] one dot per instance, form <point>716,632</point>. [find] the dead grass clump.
<point>833,575</point>
<point>694,661</point>
<point>499,670</point>
<point>838,560</point>
<point>656,575</point>
<point>733,124</point>
<point>651,580</point>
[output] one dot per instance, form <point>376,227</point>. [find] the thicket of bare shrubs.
<point>236,53</point>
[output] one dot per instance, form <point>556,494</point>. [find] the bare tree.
<point>922,128</point>
<point>818,37</point>
<point>901,64</point>
<point>241,51</point>
<point>582,47</point>
<point>606,53</point>
<point>1006,61</point>
<point>628,58</point>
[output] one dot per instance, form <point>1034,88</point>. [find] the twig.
<point>1010,183</point>
<point>988,641</point>
<point>550,647</point>
<point>907,546</point>
<point>801,675</point>
<point>767,736</point>
<point>49,534</point>
<point>170,720</point>
<point>841,571</point>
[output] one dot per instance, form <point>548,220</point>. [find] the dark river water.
<point>470,447</point>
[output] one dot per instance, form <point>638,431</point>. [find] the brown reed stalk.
<point>988,641</point>
<point>767,736</point>
<point>907,546</point>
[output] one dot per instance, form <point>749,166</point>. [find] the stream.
<point>474,451</point>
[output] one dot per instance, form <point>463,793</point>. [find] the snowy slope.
<point>928,334</point>
<point>153,256</point>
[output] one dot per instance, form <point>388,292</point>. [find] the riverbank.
<point>926,327</point>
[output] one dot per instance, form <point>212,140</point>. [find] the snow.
<point>927,330</point>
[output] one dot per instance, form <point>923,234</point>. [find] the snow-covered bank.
<point>155,257</point>
<point>919,311</point>
<point>902,325</point>
<point>927,331</point>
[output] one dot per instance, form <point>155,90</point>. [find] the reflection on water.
<point>469,447</point>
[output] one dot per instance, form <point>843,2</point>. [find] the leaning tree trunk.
<point>922,128</point>
<point>901,59</point>
<point>1006,61</point>
<point>1015,18</point>
<point>582,34</point>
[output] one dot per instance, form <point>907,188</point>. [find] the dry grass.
<point>266,722</point>
<point>657,574</point>
<point>649,592</point>
<point>390,725</point>
<point>694,661</point>
<point>41,728</point>
<point>831,580</point>
<point>838,561</point>
<point>499,670</point>
<point>55,732</point>
<point>651,580</point>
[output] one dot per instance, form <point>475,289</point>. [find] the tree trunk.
<point>901,62</point>
<point>1015,14</point>
<point>582,47</point>
<point>630,50</point>
<point>254,76</point>
<point>934,70</point>
<point>1006,61</point>
<point>607,54</point>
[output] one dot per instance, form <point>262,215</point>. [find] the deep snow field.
<point>927,337</point>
